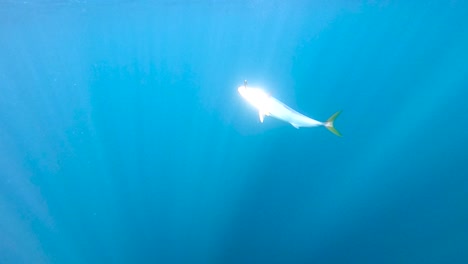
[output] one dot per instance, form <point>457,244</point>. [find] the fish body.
<point>267,105</point>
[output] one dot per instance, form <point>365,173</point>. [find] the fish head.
<point>242,91</point>
<point>255,96</point>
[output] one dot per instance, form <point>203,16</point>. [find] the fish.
<point>267,105</point>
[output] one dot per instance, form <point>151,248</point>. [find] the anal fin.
<point>294,125</point>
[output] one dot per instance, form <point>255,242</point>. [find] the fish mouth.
<point>241,90</point>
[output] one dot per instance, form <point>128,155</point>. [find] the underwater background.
<point>123,138</point>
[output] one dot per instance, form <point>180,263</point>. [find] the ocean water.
<point>123,138</point>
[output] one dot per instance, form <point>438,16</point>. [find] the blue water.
<point>123,138</point>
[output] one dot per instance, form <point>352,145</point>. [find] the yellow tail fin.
<point>330,126</point>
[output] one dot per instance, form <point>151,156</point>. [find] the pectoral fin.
<point>261,115</point>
